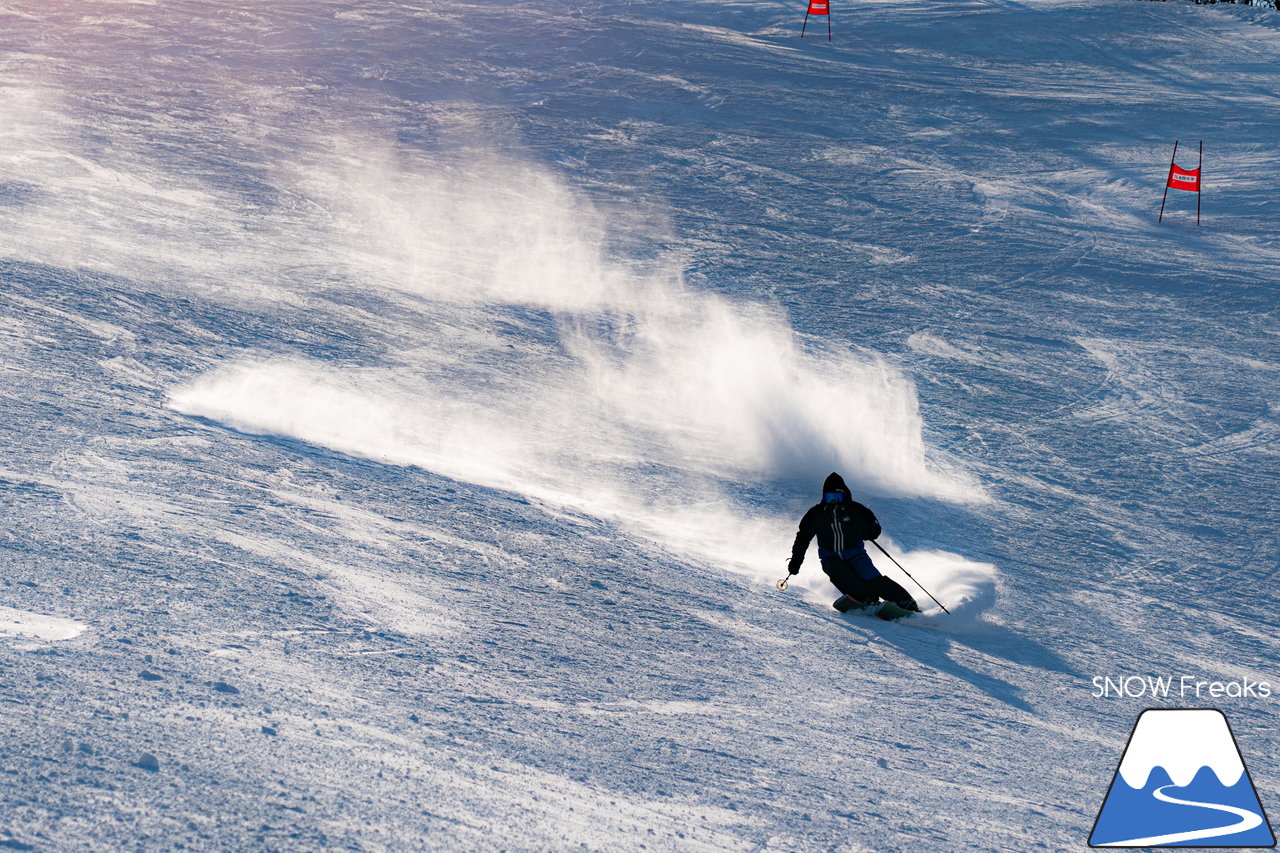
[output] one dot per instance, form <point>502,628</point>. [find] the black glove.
<point>793,567</point>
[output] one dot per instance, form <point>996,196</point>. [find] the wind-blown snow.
<point>636,369</point>
<point>646,401</point>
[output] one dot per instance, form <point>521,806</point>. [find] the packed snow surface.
<point>19,623</point>
<point>409,407</point>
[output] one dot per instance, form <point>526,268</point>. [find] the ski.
<point>886,610</point>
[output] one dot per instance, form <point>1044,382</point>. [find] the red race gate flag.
<point>818,7</point>
<point>1184,179</point>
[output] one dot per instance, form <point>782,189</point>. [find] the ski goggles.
<point>832,497</point>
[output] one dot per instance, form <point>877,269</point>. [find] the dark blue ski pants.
<point>857,577</point>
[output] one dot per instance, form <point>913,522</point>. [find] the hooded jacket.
<point>839,526</point>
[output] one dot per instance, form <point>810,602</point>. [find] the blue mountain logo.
<point>1182,783</point>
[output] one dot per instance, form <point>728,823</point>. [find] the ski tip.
<point>891,612</point>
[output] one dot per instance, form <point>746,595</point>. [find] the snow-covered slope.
<point>408,408</point>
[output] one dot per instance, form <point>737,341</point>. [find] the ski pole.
<point>782,584</point>
<point>908,574</point>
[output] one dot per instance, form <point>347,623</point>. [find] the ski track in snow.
<point>408,410</point>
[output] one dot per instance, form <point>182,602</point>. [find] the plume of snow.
<point>549,367</point>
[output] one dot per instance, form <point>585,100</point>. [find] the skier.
<point>841,524</point>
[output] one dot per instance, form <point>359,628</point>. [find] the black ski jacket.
<point>838,526</point>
